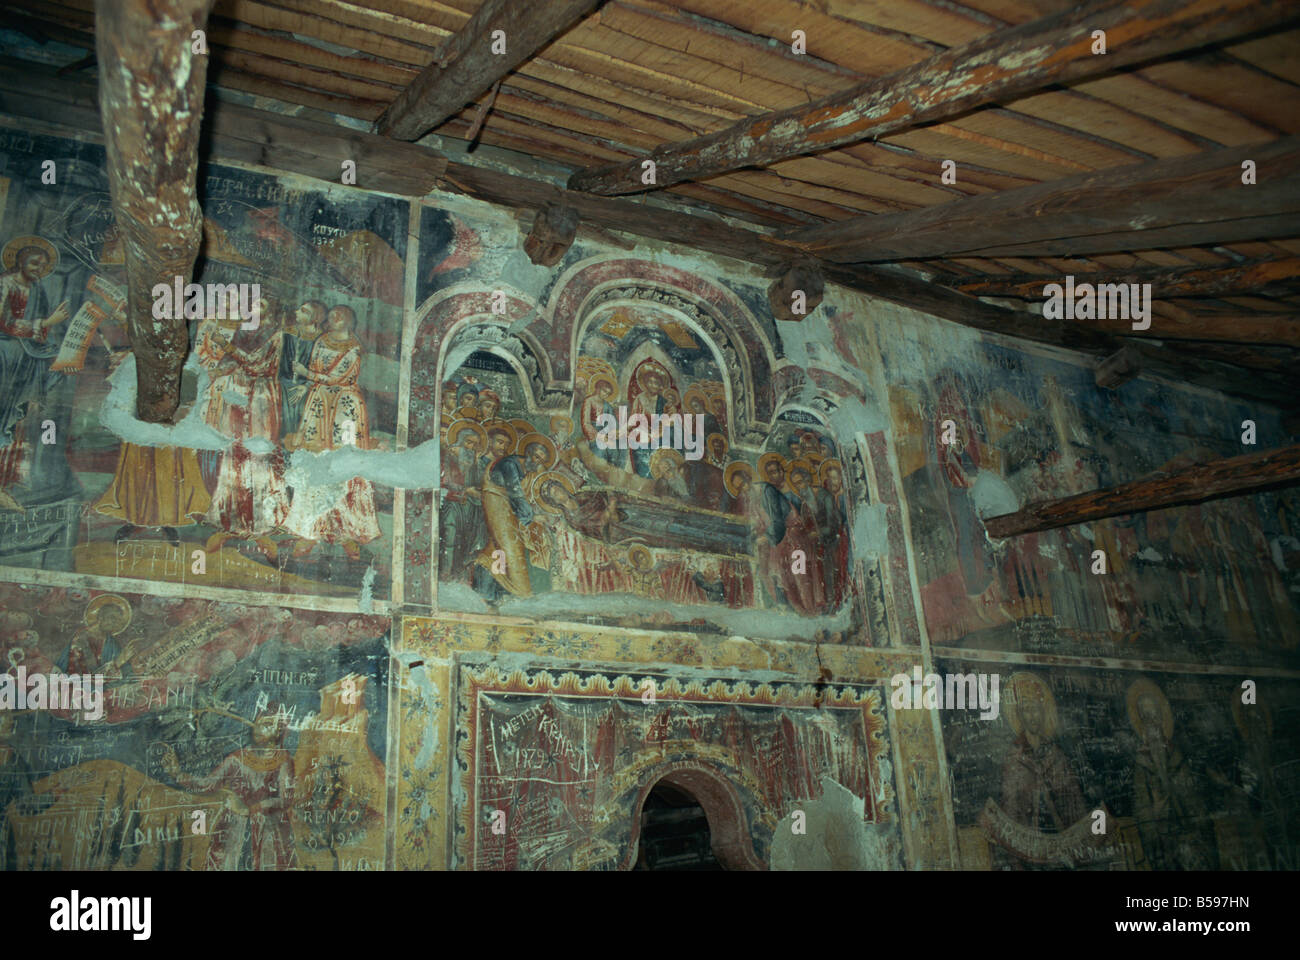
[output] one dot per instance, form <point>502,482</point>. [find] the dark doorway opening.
<point>675,832</point>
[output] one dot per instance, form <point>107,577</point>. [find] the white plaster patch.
<point>835,837</point>
<point>993,496</point>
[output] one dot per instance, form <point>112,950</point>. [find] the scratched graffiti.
<point>556,768</point>
<point>233,737</point>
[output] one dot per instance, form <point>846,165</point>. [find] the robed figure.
<point>30,336</point>
<point>503,563</point>
<point>334,416</point>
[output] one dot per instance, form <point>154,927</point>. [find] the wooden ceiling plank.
<point>1135,92</point>
<point>751,92</point>
<point>1161,194</point>
<point>925,168</point>
<point>469,63</point>
<point>995,68</point>
<point>948,142</point>
<point>662,26</point>
<point>310,78</point>
<point>1102,119</point>
<point>251,41</point>
<point>1253,94</point>
<point>656,103</point>
<point>223,75</point>
<point>291,21</point>
<point>944,26</point>
<point>1274,53</point>
<point>834,40</point>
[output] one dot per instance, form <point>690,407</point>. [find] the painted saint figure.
<point>30,336</point>
<point>502,566</point>
<point>299,340</point>
<point>255,830</point>
<point>334,416</point>
<point>831,511</point>
<point>649,394</point>
<point>461,515</point>
<point>251,497</point>
<point>1171,817</point>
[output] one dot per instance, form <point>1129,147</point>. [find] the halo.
<point>522,426</point>
<point>1022,687</point>
<point>467,412</point>
<point>655,367</point>
<point>708,441</point>
<point>108,600</point>
<point>659,456</point>
<point>695,393</point>
<point>560,420</point>
<point>1239,714</point>
<point>825,468</point>
<point>800,464</point>
<point>504,427</point>
<point>9,255</point>
<point>457,427</point>
<point>1137,689</point>
<point>528,439</point>
<point>733,470</point>
<point>540,481</point>
<point>601,378</point>
<point>639,551</point>
<point>767,458</point>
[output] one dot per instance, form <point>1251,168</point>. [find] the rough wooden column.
<point>151,99</point>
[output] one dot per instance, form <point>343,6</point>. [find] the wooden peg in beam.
<point>796,292</point>
<point>552,234</point>
<point>1118,369</point>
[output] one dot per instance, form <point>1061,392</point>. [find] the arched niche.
<point>741,346</point>
<point>721,801</point>
<point>456,322</point>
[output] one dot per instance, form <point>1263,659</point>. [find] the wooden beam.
<point>995,68</point>
<point>33,92</point>
<point>1257,277</point>
<point>151,85</point>
<point>1206,481</point>
<point>1196,190</point>
<point>500,36</point>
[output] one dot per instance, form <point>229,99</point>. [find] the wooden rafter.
<point>1206,481</point>
<point>151,84</point>
<point>1194,193</point>
<point>998,67</point>
<point>466,66</point>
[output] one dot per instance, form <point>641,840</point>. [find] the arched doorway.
<point>691,818</point>
<point>675,832</point>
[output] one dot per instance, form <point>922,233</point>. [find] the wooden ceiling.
<point>639,75</point>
